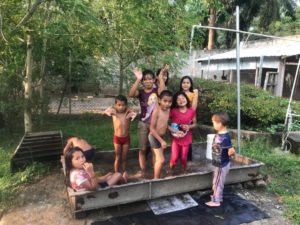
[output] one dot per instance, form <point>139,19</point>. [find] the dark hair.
<point>68,162</point>
<point>191,81</point>
<point>221,117</point>
<point>121,98</point>
<point>148,72</point>
<point>158,72</point>
<point>174,102</point>
<point>165,93</point>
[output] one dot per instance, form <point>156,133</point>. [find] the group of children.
<point>158,107</point>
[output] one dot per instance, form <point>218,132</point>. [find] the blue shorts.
<point>154,143</point>
<point>103,184</point>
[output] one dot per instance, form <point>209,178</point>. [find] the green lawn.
<point>284,170</point>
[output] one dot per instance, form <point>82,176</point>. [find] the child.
<point>81,176</point>
<point>186,85</point>
<point>122,116</point>
<point>183,118</point>
<point>148,99</point>
<point>222,151</point>
<point>87,149</point>
<point>158,127</point>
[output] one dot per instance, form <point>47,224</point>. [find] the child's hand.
<point>165,69</point>
<point>131,115</point>
<point>138,73</point>
<point>185,127</point>
<point>163,144</point>
<point>231,152</point>
<point>110,111</point>
<point>180,133</point>
<point>195,91</point>
<point>89,168</point>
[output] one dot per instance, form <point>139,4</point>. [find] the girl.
<point>81,176</point>
<point>186,85</point>
<point>183,118</point>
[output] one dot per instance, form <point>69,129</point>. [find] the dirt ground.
<point>45,203</point>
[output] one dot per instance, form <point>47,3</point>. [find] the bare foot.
<point>125,177</point>
<point>213,204</point>
<point>139,174</point>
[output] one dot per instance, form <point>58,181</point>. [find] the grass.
<point>11,182</point>
<point>284,170</point>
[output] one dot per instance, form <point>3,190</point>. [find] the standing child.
<point>158,128</point>
<point>148,99</point>
<point>87,149</point>
<point>183,119</point>
<point>122,116</point>
<point>186,85</point>
<point>222,150</point>
<point>81,176</point>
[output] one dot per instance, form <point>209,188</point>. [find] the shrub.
<point>259,109</point>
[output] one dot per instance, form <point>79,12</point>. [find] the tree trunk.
<point>43,102</point>
<point>28,86</point>
<point>121,78</point>
<point>212,23</point>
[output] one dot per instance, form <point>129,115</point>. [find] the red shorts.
<point>122,140</point>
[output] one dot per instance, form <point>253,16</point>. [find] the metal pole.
<point>238,79</point>
<point>246,32</point>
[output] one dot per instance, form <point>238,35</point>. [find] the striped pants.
<point>220,174</point>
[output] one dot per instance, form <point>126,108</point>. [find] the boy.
<point>87,149</point>
<point>121,115</point>
<point>148,99</point>
<point>158,127</point>
<point>222,150</point>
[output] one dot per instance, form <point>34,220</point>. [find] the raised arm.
<point>134,89</point>
<point>110,111</point>
<point>161,83</point>
<point>68,146</point>
<point>195,99</point>
<point>131,114</point>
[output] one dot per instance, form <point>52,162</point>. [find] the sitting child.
<point>81,176</point>
<point>87,149</point>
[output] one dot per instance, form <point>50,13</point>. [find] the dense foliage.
<point>259,109</point>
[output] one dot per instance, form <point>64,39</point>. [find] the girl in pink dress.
<point>183,119</point>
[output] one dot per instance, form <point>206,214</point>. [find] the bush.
<point>259,109</point>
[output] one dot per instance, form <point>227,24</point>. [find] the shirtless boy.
<point>122,116</point>
<point>87,149</point>
<point>158,128</point>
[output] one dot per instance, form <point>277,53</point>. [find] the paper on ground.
<point>171,204</point>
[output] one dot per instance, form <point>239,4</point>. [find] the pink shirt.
<point>77,178</point>
<point>183,118</point>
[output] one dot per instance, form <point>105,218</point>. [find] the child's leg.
<point>190,153</point>
<point>184,153</point>
<point>143,130</point>
<point>219,182</point>
<point>125,149</point>
<point>114,179</point>
<point>175,152</point>
<point>118,157</point>
<point>159,162</point>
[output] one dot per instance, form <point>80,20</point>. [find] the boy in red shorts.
<point>122,116</point>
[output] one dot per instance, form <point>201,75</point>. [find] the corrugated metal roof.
<point>269,51</point>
